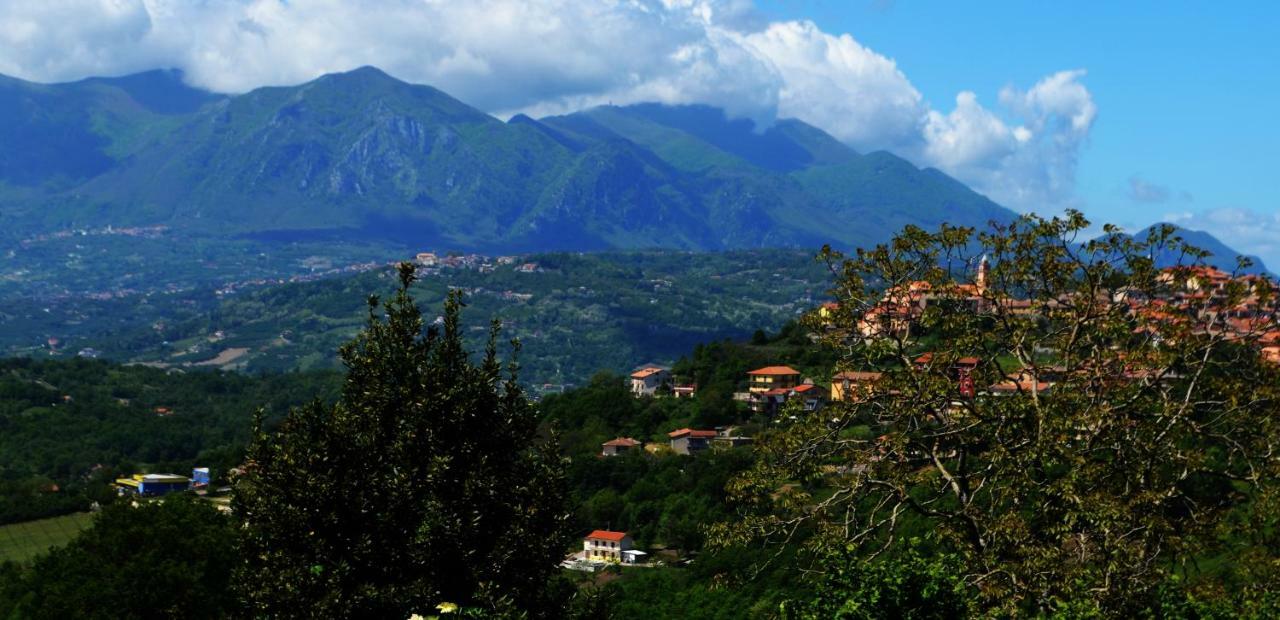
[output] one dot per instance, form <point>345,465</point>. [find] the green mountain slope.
<point>361,154</point>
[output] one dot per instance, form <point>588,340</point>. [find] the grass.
<point>20,542</point>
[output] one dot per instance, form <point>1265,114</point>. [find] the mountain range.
<point>363,156</point>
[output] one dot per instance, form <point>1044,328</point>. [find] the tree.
<point>423,484</point>
<point>1075,424</point>
<point>160,559</point>
<point>909,585</point>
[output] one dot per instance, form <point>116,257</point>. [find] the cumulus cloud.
<point>1244,230</point>
<point>555,56</point>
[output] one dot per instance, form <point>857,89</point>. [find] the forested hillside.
<point>575,314</point>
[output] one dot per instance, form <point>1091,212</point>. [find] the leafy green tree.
<point>423,484</point>
<point>159,559</point>
<point>910,585</point>
<point>1117,416</point>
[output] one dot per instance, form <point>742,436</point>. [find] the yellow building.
<point>772,378</point>
<point>852,385</point>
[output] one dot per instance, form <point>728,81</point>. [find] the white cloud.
<point>1244,230</point>
<point>553,56</point>
<point>835,83</point>
<point>1028,166</point>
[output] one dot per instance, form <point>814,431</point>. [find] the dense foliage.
<point>423,484</point>
<point>1086,426</point>
<point>170,559</point>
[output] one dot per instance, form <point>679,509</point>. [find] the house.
<point>810,395</point>
<point>853,385</point>
<point>690,441</point>
<point>607,546</point>
<point>614,447</point>
<point>770,401</point>
<point>647,380</point>
<point>152,485</point>
<point>427,259</point>
<point>685,391</point>
<point>771,378</point>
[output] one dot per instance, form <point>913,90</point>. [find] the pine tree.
<point>425,483</point>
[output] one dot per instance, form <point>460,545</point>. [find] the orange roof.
<point>804,388</point>
<point>645,372</point>
<point>1023,385</point>
<point>775,370</point>
<point>622,441</point>
<point>678,433</point>
<point>607,535</point>
<point>927,358</point>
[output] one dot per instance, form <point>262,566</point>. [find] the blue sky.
<point>1187,93</point>
<point>1134,112</point>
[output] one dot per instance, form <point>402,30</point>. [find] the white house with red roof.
<point>647,379</point>
<point>690,441</point>
<point>614,447</point>
<point>608,546</point>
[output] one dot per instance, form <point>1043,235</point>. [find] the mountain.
<point>361,155</point>
<point>1222,256</point>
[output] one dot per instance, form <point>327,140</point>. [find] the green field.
<point>20,542</point>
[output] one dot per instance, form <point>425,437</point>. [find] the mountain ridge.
<point>363,153</point>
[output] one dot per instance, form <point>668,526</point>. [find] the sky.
<point>1133,112</point>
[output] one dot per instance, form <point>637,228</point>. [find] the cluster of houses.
<point>687,441</point>
<point>484,264</point>
<point>768,388</point>
<point>1201,296</point>
<point>1204,299</point>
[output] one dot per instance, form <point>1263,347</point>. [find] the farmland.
<point>20,542</point>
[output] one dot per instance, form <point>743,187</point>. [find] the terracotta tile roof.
<point>622,441</point>
<point>676,434</point>
<point>775,370</point>
<point>646,372</point>
<point>607,535</point>
<point>1024,385</point>
<point>927,358</point>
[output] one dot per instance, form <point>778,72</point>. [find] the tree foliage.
<point>1118,417</point>
<point>424,483</point>
<point>170,559</point>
